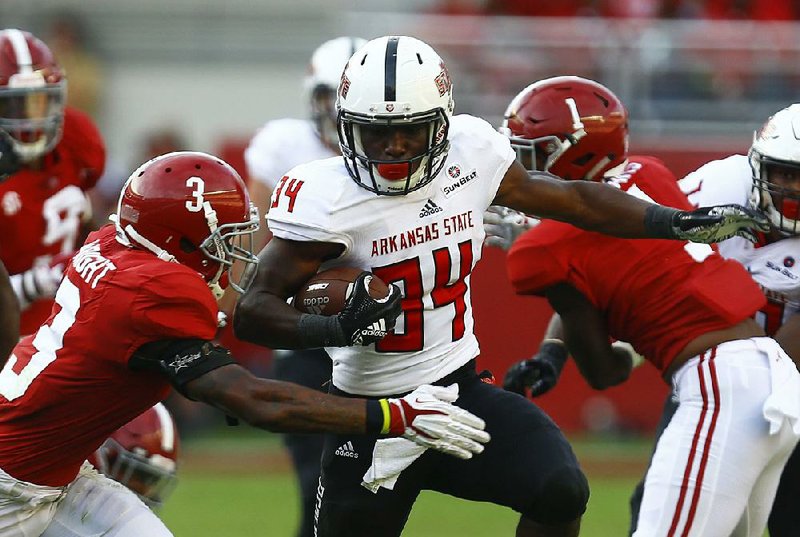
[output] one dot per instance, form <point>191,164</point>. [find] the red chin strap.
<point>393,172</point>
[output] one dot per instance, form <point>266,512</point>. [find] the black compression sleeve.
<point>181,360</point>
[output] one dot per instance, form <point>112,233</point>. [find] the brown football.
<point>327,292</point>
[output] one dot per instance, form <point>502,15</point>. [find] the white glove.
<point>504,225</point>
<point>426,417</point>
<point>40,281</point>
<point>636,358</point>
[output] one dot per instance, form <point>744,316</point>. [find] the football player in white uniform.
<point>278,147</point>
<point>405,202</point>
<point>768,178</point>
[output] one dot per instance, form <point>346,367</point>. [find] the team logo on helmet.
<point>389,107</point>
<point>442,80</point>
<point>768,130</point>
<point>344,85</point>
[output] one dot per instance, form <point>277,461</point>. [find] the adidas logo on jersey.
<point>347,450</point>
<point>429,209</point>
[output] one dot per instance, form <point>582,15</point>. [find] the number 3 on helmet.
<point>191,208</point>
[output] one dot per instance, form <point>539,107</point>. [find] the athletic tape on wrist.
<point>658,221</point>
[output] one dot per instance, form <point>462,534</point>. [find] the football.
<point>327,292</point>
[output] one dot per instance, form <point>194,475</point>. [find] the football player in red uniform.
<point>767,177</point>
<point>717,465</point>
<point>136,313</point>
<point>49,156</point>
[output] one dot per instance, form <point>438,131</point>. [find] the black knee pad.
<point>563,497</point>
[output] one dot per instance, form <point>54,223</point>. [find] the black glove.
<point>364,319</point>
<point>9,161</point>
<point>539,373</point>
<point>706,224</point>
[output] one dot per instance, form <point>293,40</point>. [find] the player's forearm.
<point>9,317</point>
<point>608,210</point>
<point>279,406</point>
<point>265,319</point>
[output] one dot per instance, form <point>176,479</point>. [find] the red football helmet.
<point>33,91</point>
<point>143,455</point>
<point>191,208</point>
<point>569,126</point>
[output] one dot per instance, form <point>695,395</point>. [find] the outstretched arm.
<point>606,209</point>
<point>9,316</point>
<point>206,372</point>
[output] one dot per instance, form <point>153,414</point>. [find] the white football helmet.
<point>322,80</point>
<point>777,144</point>
<point>394,81</point>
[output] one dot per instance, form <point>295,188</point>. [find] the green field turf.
<point>265,505</point>
<point>244,489</point>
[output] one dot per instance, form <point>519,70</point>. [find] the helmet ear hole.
<point>187,246</point>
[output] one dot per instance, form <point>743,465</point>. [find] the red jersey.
<point>67,387</point>
<point>658,295</point>
<point>41,210</point>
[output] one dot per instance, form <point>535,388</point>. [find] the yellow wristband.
<point>387,416</point>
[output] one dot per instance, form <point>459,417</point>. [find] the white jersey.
<point>427,242</point>
<point>281,145</point>
<point>775,267</point>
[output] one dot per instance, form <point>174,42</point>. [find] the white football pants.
<point>90,506</point>
<point>716,467</point>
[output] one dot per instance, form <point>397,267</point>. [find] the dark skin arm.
<point>9,317</point>
<point>587,339</point>
<point>262,314</point>
<point>585,204</point>
<point>277,406</point>
<point>789,338</point>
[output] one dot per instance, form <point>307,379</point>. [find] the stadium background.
<point>697,76</point>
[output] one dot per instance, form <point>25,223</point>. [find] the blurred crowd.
<point>760,10</point>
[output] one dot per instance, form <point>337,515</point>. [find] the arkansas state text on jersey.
<point>427,242</point>
<point>65,389</point>
<point>673,292</point>
<point>41,210</point>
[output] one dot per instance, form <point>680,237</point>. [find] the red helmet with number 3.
<point>143,455</point>
<point>569,126</point>
<point>33,91</point>
<point>191,208</point>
